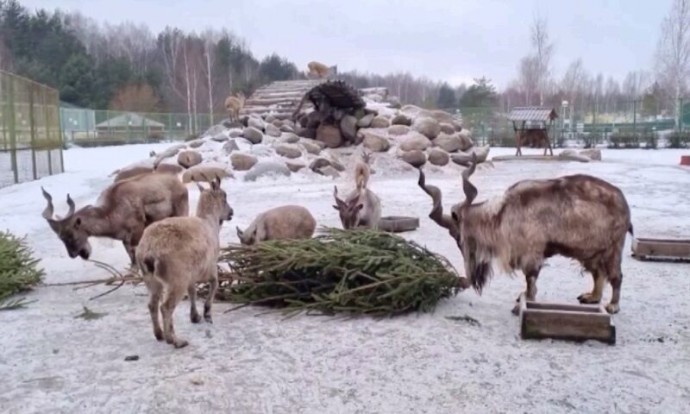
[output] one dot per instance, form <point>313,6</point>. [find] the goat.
<point>576,216</point>
<point>361,208</point>
<point>122,212</point>
<point>279,223</point>
<point>319,70</point>
<point>176,253</point>
<point>233,104</point>
<point>130,172</point>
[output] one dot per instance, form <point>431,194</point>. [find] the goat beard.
<point>477,264</point>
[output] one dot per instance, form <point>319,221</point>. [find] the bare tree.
<point>673,51</point>
<point>543,51</point>
<point>574,84</point>
<point>528,82</point>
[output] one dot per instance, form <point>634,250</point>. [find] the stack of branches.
<point>357,272</point>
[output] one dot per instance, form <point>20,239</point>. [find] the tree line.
<point>127,67</point>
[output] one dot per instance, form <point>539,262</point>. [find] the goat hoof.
<point>195,318</point>
<point>158,335</point>
<point>588,298</point>
<point>180,343</point>
<point>612,308</point>
<point>208,318</point>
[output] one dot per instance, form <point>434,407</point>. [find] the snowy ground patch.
<point>243,363</point>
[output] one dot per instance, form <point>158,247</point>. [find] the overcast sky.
<point>452,40</point>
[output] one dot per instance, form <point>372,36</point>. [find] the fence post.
<point>60,137</point>
<point>13,131</point>
<point>46,115</point>
<point>32,128</point>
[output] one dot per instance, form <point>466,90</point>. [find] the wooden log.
<point>540,320</point>
<point>540,158</point>
<point>661,249</point>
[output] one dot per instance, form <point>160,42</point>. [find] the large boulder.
<point>448,143</point>
<point>447,128</point>
<point>415,141</point>
<point>235,133</point>
<point>272,130</point>
<point>230,146</point>
<point>267,169</point>
<point>253,135</point>
<point>398,130</point>
<point>242,162</point>
<point>401,119</point>
<point>464,158</point>
<point>348,127</point>
<point>466,140</point>
<point>288,151</point>
<point>365,121</point>
<point>379,122</point>
<point>311,147</point>
<point>426,126</point>
<point>189,158</point>
<point>256,122</point>
<point>374,142</point>
<point>289,138</point>
<point>593,154</point>
<point>415,158</point>
<point>329,135</point>
<point>438,157</point>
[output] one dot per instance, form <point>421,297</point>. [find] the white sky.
<point>452,40</point>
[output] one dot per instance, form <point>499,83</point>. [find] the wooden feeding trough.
<point>670,250</point>
<point>539,320</point>
<point>398,224</point>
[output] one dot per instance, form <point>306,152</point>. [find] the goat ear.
<point>77,223</point>
<point>359,207</point>
<point>200,187</point>
<point>239,232</point>
<point>336,207</point>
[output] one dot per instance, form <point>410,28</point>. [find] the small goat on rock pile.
<point>176,253</point>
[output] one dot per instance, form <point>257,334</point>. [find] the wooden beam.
<point>676,250</point>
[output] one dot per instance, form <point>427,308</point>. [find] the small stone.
<point>365,121</point>
<point>253,135</point>
<point>398,130</point>
<point>401,119</point>
<point>329,135</point>
<point>272,130</point>
<point>415,141</point>
<point>348,127</point>
<point>132,358</point>
<point>294,167</point>
<point>288,151</point>
<point>289,138</point>
<point>311,147</point>
<point>230,146</point>
<point>438,157</point>
<point>374,142</point>
<point>379,122</point>
<point>267,169</point>
<point>189,158</point>
<point>235,133</point>
<point>242,162</point>
<point>415,158</point>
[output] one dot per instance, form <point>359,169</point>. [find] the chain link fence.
<point>31,141</point>
<point>89,127</point>
<point>631,125</point>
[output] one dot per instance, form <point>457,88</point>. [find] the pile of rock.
<point>261,145</point>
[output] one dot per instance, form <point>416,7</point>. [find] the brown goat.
<point>362,207</point>
<point>279,223</point>
<point>122,212</point>
<point>176,253</point>
<point>577,216</point>
<point>126,173</point>
<point>233,104</point>
<point>319,70</point>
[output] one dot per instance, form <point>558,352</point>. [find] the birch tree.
<point>673,51</point>
<point>543,52</point>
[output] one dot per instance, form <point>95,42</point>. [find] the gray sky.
<point>453,40</point>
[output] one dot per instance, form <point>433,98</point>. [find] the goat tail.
<point>361,176</point>
<point>149,265</point>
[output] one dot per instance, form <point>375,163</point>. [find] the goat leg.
<point>595,295</point>
<point>531,276</point>
<point>616,282</point>
<point>213,287</point>
<point>175,294</point>
<point>155,291</point>
<point>193,312</point>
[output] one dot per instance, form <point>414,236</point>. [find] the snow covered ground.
<point>53,362</point>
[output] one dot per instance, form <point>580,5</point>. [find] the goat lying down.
<point>362,207</point>
<point>176,253</point>
<point>279,223</point>
<point>122,212</point>
<point>577,216</point>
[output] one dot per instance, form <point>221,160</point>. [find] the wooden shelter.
<point>531,125</point>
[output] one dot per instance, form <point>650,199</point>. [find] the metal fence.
<point>626,127</point>
<point>89,127</point>
<point>31,145</point>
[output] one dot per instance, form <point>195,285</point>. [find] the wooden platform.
<point>574,322</point>
<point>667,250</point>
<point>278,98</point>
